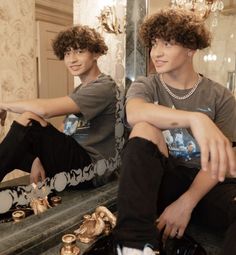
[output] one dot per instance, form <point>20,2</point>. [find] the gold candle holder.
<point>56,200</point>
<point>18,215</point>
<point>69,245</point>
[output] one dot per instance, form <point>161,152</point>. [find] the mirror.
<point>20,194</point>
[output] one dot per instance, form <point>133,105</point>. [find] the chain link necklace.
<point>181,97</point>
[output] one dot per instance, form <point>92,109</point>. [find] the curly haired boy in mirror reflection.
<point>34,145</point>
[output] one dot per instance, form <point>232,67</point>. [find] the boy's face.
<point>80,61</point>
<point>169,56</point>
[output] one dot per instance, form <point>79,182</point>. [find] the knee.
<point>151,133</point>
<point>26,118</point>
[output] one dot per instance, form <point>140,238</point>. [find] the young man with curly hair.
<point>34,145</point>
<point>161,177</point>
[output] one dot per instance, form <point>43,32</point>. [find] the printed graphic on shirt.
<point>74,124</point>
<point>181,144</point>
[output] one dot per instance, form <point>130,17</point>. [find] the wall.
<point>17,62</point>
<point>87,12</point>
<point>17,53</point>
<point>216,61</point>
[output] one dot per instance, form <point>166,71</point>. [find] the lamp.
<point>203,7</point>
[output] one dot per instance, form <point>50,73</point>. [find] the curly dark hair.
<point>178,25</point>
<point>79,37</point>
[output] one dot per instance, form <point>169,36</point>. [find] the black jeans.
<point>56,151</point>
<point>149,182</point>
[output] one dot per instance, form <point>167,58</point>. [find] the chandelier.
<point>203,7</point>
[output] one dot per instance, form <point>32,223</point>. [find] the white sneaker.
<point>131,251</point>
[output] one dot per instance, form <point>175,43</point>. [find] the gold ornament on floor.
<point>39,204</point>
<point>102,221</point>
<point>69,245</point>
<point>18,215</point>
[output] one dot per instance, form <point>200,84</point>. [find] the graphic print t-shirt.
<point>210,98</point>
<point>94,127</point>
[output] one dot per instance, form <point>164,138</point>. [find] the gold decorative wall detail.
<point>109,22</point>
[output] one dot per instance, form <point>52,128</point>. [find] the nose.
<point>157,50</point>
<point>72,57</point>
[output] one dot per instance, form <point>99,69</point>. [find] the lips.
<point>75,68</point>
<point>159,63</point>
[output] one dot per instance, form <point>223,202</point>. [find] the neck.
<point>182,80</point>
<point>90,76</point>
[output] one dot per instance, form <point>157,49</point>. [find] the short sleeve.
<point>92,99</point>
<point>140,89</point>
<point>226,114</point>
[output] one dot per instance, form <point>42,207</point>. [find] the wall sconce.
<point>109,22</point>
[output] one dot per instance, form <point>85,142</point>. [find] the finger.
<point>42,122</point>
<point>232,160</point>
<point>33,179</point>
<point>204,157</point>
<point>180,233</point>
<point>223,164</point>
<point>174,232</point>
<point>214,160</point>
<point>161,224</point>
<point>166,233</point>
<point>43,175</point>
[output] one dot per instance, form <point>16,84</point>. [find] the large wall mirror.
<point>42,75</point>
<point>217,62</point>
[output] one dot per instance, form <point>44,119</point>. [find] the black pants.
<point>56,151</point>
<point>149,182</point>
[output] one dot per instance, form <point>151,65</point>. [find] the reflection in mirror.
<point>101,169</point>
<point>217,62</point>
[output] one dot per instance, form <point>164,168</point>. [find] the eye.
<point>154,43</point>
<point>79,51</point>
<point>167,44</point>
<point>66,53</point>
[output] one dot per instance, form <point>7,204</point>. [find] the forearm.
<point>35,106</point>
<point>201,185</point>
<point>160,116</point>
<point>45,108</point>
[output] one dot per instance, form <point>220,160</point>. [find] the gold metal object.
<point>99,222</point>
<point>18,215</point>
<point>69,245</point>
<point>203,8</point>
<point>109,21</point>
<point>55,200</point>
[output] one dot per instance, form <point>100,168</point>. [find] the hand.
<point>175,218</point>
<point>26,117</point>
<point>37,172</point>
<point>3,115</point>
<point>216,151</point>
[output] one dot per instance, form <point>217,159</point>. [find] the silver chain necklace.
<point>180,97</point>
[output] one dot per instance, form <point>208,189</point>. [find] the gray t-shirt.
<point>210,98</point>
<point>94,127</point>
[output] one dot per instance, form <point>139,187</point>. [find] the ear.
<point>96,56</point>
<point>191,52</point>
